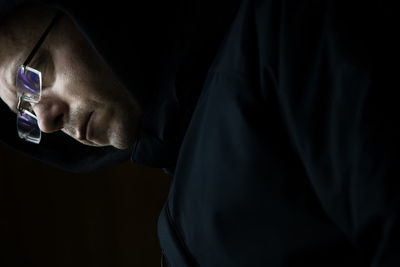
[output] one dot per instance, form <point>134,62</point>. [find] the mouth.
<point>87,130</point>
<point>83,130</point>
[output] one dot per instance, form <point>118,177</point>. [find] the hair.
<point>28,19</point>
<point>23,27</point>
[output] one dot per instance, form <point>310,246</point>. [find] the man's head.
<point>80,95</point>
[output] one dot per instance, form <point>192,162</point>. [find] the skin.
<point>79,89</point>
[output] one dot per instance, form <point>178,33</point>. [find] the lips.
<point>83,130</point>
<point>87,128</point>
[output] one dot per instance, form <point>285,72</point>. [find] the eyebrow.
<point>13,109</point>
<point>13,75</point>
<point>11,79</point>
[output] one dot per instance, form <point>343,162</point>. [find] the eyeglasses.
<point>29,90</point>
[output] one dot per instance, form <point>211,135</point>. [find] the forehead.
<point>9,57</point>
<point>8,92</point>
<point>7,60</point>
<point>18,33</point>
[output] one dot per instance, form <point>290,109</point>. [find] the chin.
<point>121,146</point>
<point>89,143</point>
<point>122,143</point>
<point>123,138</point>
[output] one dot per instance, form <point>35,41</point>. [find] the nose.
<point>51,114</point>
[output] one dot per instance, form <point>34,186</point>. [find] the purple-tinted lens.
<point>28,127</point>
<point>29,83</point>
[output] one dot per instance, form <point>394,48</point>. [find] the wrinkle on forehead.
<point>7,89</point>
<point>8,53</point>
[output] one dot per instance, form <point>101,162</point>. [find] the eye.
<point>44,64</point>
<point>43,67</point>
<point>48,74</point>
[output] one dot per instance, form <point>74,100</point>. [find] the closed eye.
<point>43,63</point>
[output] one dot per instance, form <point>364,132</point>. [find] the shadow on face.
<point>80,95</point>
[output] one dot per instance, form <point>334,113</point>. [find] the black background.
<point>50,217</point>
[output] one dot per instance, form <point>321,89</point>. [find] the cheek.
<point>83,77</point>
<point>77,73</point>
<point>72,82</point>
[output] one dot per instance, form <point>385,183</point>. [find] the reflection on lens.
<point>29,83</point>
<point>27,126</point>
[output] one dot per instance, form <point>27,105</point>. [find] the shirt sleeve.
<point>334,68</point>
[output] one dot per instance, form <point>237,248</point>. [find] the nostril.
<point>51,114</point>
<point>58,120</point>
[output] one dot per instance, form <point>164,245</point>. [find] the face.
<point>80,95</point>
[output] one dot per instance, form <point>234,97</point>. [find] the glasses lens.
<point>29,83</point>
<point>27,126</point>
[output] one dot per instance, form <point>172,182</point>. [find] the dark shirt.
<point>278,120</point>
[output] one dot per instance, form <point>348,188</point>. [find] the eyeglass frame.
<point>21,100</point>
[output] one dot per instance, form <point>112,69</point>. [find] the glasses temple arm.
<point>42,38</point>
